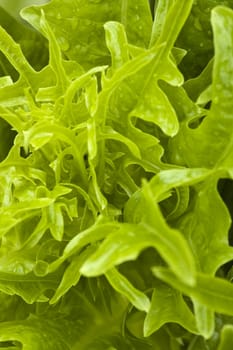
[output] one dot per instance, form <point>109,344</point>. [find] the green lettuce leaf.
<point>116,175</point>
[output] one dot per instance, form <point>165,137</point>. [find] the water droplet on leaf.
<point>74,23</point>
<point>64,44</point>
<point>197,24</point>
<point>216,134</point>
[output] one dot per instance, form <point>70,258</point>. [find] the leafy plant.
<point>116,167</point>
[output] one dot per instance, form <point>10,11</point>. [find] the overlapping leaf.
<point>109,167</point>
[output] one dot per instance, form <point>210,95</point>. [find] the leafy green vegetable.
<point>116,175</point>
